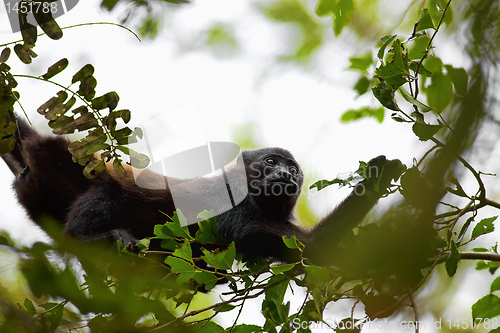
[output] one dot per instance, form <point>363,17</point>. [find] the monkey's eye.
<point>294,170</point>
<point>270,161</point>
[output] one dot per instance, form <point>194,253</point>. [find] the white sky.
<point>292,107</point>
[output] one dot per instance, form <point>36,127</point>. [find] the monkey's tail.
<point>14,159</point>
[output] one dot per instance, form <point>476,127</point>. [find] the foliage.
<point>380,267</point>
<point>103,135</point>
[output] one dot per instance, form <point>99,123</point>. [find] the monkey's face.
<point>274,176</point>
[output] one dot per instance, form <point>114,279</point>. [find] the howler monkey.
<point>49,183</point>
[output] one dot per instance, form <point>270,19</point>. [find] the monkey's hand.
<point>379,174</point>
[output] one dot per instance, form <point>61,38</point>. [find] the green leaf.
<point>4,56</point>
<point>179,266</point>
<point>179,225</point>
<point>409,98</point>
<point>244,328</point>
<point>317,274</point>
<point>459,78</point>
<point>277,269</point>
<point>352,115</point>
<point>385,96</point>
<point>22,52</point>
<point>109,100</point>
<point>386,40</point>
<point>480,265</point>
<point>342,12</point>
<point>87,87</point>
<point>109,4</point>
<point>424,131</point>
<point>361,63</point>
<point>321,184</point>
<point>464,229</point>
<point>495,285</point>
<point>7,145</point>
<point>277,293</point>
<point>452,260</point>
<point>418,46</point>
<point>55,313</point>
<point>362,85</point>
<point>184,252</point>
<point>28,304</point>
<point>220,260</point>
<point>83,73</point>
<point>93,168</point>
<point>207,231</point>
<point>479,249</point>
<point>434,64</point>
<point>56,68</point>
<point>48,24</point>
<point>486,307</point>
<point>421,69</point>
<point>425,21</point>
<point>293,243</point>
<point>440,91</point>
<point>138,160</point>
<point>205,278</point>
<point>483,227</point>
<point>28,31</point>
<point>325,7</point>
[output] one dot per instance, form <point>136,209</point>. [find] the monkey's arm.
<point>331,230</point>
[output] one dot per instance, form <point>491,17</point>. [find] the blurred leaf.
<point>325,7</point>
<point>352,115</point>
<point>418,46</point>
<point>425,131</point>
<point>421,69</point>
<point>452,260</point>
<point>440,91</point>
<point>459,78</point>
<point>379,306</point>
<point>296,13</point>
<point>362,85</point>
<point>343,13</point>
<point>321,184</point>
<point>149,27</point>
<point>361,63</point>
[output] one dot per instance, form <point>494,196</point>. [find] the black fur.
<point>113,206</point>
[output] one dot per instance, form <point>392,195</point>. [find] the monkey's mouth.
<point>285,181</point>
